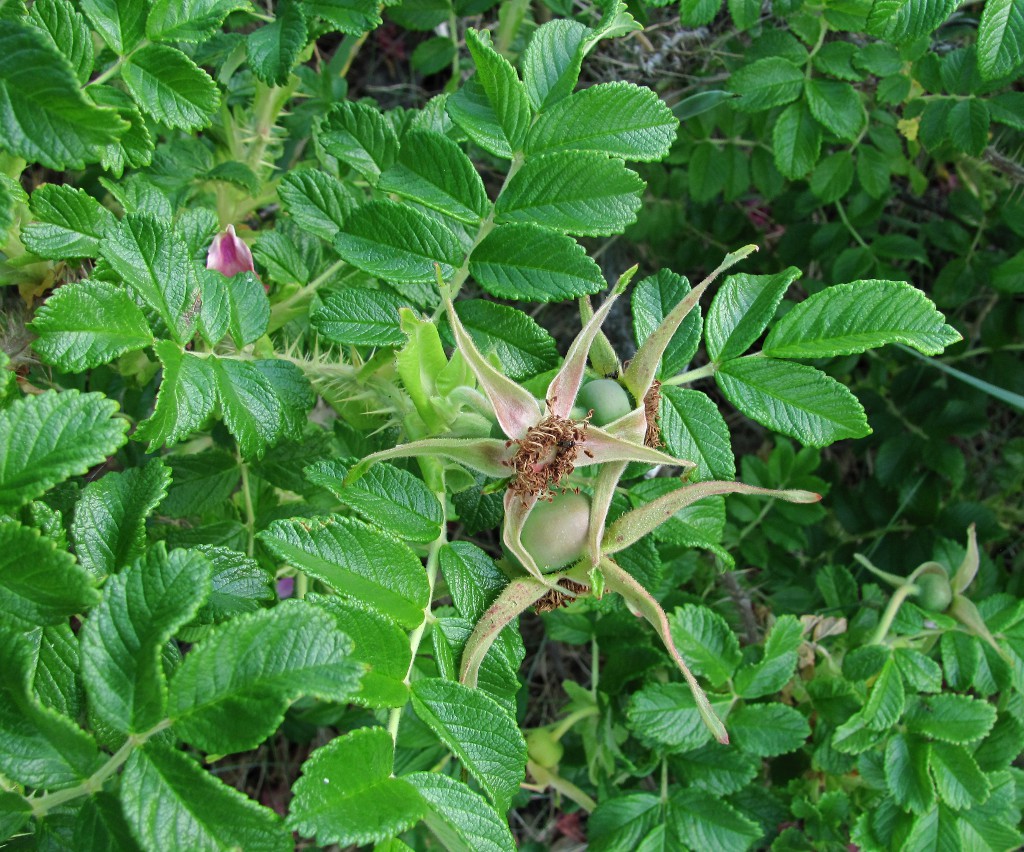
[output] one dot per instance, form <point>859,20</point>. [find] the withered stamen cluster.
<point>652,401</point>
<point>555,599</point>
<point>546,455</point>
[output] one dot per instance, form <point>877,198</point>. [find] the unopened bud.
<point>229,254</point>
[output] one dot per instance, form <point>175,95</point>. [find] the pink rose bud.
<point>229,254</point>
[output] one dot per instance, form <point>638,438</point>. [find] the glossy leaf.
<point>552,60</point>
<point>88,323</point>
<point>187,396</point>
<point>359,136</point>
<point>850,318</point>
<point>837,107</point>
<point>40,583</point>
<point>461,818</point>
<point>387,496</point>
<point>906,773</point>
<point>666,716</point>
<point>478,731</point>
<point>951,718</point>
<point>692,428</point>
<point>360,317</point>
<point>109,526</point>
<point>575,192</point>
<point>765,83</point>
<point>357,560</point>
<point>960,783</point>
<point>768,730</point>
<point>522,347</point>
<point>274,49</point>
<point>121,23</point>
<point>170,801</point>
<point>170,87</point>
<point>703,821</point>
<point>124,636</point>
<point>316,200</point>
<point>616,119</point>
<point>398,243</point>
<point>47,438</point>
<point>901,21</point>
<point>47,118</point>
<point>1000,38</point>
<point>533,264</point>
<point>793,399</point>
<point>68,31</point>
<point>796,141</point>
<point>652,300</point>
<point>741,309</point>
<point>347,794</point>
<point>706,642</point>
<point>232,691</point>
<point>189,20</point>
<point>71,223</point>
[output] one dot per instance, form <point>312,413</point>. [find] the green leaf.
<point>532,264</point>
<point>237,585</point>
<point>360,136</point>
<point>744,13</point>
<point>71,224</point>
<point>109,527</point>
<point>45,117</point>
<point>473,579</point>
<point>41,584</point>
<point>622,822</point>
<point>873,171</point>
<point>887,699</point>
<point>171,802</point>
<point>122,23</point>
<point>666,716</point>
<point>170,87</point>
<point>347,795</point>
<point>353,17</point>
<point>833,176</point>
<point>87,323</point>
<point>961,784</point>
<point>521,346</point>
<point>906,773</point>
<point>155,263</point>
<point>551,62</point>
<point>100,824</point>
<point>247,306</point>
<point>1000,38</point>
<point>699,820</point>
<point>775,669</point>
<point>385,495</point>
<point>793,399</point>
<point>68,31</point>
<point>968,125</point>
<point>274,48</point>
<point>920,672</point>
<point>768,730</point>
<point>380,644</point>
<point>742,308</point>
<point>124,636</point>
<point>133,149</point>
<point>478,731</point>
<point>765,83</point>
<point>249,403</point>
<point>55,669</point>
<point>45,439</point>
<point>698,13</point>
<point>837,107</point>
<point>705,641</point>
<point>951,718</point>
<point>851,318</point>
<point>718,769</point>
<point>233,689</point>
<point>796,141</point>
<point>693,428</point>
<point>189,21</point>
<point>461,818</point>
<point>317,201</point>
<point>360,317</point>
<point>38,746</point>
<point>652,300</point>
<point>993,825</point>
<point>357,560</point>
<point>577,192</point>
<point>186,399</point>
<point>616,119</point>
<point>398,243</point>
<point>900,21</point>
<point>493,108</point>
<point>434,171</point>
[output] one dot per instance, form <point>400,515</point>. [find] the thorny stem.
<point>94,783</point>
<point>416,636</point>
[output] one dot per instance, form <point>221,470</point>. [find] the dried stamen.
<point>555,599</point>
<point>546,455</point>
<point>652,401</point>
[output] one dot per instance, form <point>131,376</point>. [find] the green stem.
<point>895,602</point>
<point>250,514</point>
<point>689,376</point>
<point>563,727</point>
<point>42,805</point>
<point>416,636</point>
<point>595,666</point>
<point>849,227</point>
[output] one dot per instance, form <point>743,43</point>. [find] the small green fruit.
<point>555,533</point>
<point>935,593</point>
<point>544,749</point>
<point>607,398</point>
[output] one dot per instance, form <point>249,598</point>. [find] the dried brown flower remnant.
<point>652,401</point>
<point>555,599</point>
<point>546,454</point>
